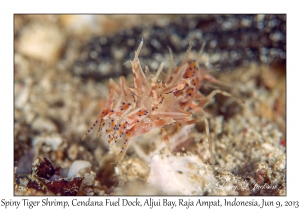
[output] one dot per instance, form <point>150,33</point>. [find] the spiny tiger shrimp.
<point>132,111</point>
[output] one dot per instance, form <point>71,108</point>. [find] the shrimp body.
<point>132,111</point>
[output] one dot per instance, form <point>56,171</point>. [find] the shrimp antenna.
<point>126,62</point>
<point>201,51</point>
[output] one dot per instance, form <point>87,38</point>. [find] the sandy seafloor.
<point>61,72</point>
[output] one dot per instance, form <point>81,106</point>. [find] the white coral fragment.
<point>79,168</point>
<point>184,175</point>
